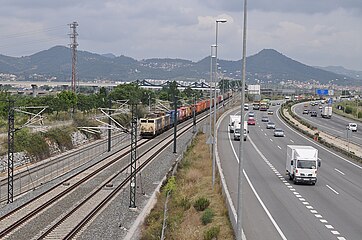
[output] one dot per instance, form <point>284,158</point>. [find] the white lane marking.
<point>265,134</point>
<point>329,226</point>
<point>279,147</point>
<point>312,210</point>
<point>262,130</point>
<point>332,189</point>
<point>340,171</point>
<point>318,216</point>
<point>291,140</point>
<point>341,238</point>
<point>264,207</point>
<point>257,196</point>
<point>270,139</point>
<point>360,167</point>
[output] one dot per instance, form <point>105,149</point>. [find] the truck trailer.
<point>232,121</point>
<point>302,164</point>
<point>326,112</point>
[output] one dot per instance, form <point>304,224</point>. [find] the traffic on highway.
<point>320,199</point>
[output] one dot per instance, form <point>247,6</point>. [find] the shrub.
<point>348,110</point>
<point>201,204</point>
<point>212,233</point>
<point>185,203</point>
<point>207,216</point>
<point>171,185</point>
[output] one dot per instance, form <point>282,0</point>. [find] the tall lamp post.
<point>239,225</point>
<point>212,55</point>
<point>215,99</point>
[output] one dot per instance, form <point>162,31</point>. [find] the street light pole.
<point>241,146</point>
<point>215,105</point>
<point>211,139</point>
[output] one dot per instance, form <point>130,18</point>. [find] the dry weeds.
<point>193,180</point>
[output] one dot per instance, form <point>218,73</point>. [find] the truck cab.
<point>237,132</point>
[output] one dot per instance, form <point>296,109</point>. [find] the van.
<point>313,113</point>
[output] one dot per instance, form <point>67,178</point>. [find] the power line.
<point>31,33</point>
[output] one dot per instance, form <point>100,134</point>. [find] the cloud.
<point>325,32</point>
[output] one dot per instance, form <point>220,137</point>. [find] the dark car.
<point>313,113</point>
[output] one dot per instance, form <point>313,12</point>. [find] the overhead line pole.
<point>11,135</point>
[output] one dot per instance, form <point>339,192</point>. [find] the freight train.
<point>156,123</point>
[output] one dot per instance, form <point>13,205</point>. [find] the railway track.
<point>62,211</point>
<point>50,169</point>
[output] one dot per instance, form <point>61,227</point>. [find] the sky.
<point>314,32</point>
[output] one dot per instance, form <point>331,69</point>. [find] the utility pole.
<point>194,116</point>
<point>109,125</point>
<point>73,46</point>
<point>175,125</point>
<point>239,223</point>
<point>132,200</point>
<point>11,135</point>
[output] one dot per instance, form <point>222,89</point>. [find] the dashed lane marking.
<point>299,196</point>
<point>332,189</point>
<point>339,171</point>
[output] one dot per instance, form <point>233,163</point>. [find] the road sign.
<point>322,91</point>
<point>330,101</point>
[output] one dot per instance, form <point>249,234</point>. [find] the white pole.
<point>241,146</point>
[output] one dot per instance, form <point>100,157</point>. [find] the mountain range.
<point>267,66</point>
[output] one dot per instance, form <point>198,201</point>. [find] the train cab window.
<point>151,121</point>
<point>143,120</point>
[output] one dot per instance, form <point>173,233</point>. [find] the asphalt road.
<point>278,209</point>
<point>335,126</point>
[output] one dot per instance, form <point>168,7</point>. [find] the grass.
<point>193,181</point>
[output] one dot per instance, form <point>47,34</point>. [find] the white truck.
<point>237,132</point>
<point>302,163</point>
<point>233,119</point>
<point>327,112</point>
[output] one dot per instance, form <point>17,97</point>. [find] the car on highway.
<point>270,112</point>
<point>251,114</point>
<point>246,107</point>
<point>352,127</point>
<point>270,125</point>
<point>278,103</point>
<point>313,113</point>
<point>265,119</point>
<point>278,132</point>
<point>320,106</point>
<point>251,121</point>
<point>305,111</point>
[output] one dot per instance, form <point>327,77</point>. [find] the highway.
<point>335,126</point>
<point>275,208</point>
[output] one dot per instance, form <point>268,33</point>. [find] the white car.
<point>278,132</point>
<point>352,127</point>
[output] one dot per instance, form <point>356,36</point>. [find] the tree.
<point>130,92</point>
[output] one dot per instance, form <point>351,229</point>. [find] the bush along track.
<point>194,210</point>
